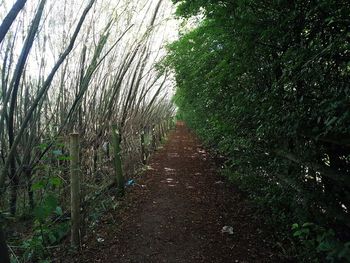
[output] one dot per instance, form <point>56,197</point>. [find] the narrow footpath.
<point>177,211</point>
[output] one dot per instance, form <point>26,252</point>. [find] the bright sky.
<point>59,21</point>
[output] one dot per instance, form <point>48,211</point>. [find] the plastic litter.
<point>57,152</point>
<point>227,230</point>
<point>130,182</point>
<point>100,240</point>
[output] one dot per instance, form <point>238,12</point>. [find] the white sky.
<point>57,25</point>
<point>59,20</point>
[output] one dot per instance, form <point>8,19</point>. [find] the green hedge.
<point>267,84</point>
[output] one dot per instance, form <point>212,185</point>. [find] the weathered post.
<point>94,164</point>
<point>154,138</point>
<point>99,165</point>
<point>75,189</point>
<point>143,149</point>
<point>162,130</point>
<point>159,128</point>
<point>170,123</point>
<point>116,139</point>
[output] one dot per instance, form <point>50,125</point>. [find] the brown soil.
<point>176,213</point>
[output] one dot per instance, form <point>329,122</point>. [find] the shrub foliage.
<point>267,84</point>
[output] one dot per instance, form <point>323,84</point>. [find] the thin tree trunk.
<point>41,92</point>
<point>15,84</point>
<point>11,16</point>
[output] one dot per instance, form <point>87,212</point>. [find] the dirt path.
<point>179,213</point>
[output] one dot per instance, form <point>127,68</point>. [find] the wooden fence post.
<point>143,149</point>
<point>100,155</point>
<point>116,139</point>
<point>162,128</point>
<point>159,126</point>
<point>154,138</point>
<point>75,189</point>
<point>94,164</point>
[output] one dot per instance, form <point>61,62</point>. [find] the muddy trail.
<point>176,213</point>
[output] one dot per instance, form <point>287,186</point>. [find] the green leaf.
<point>297,233</point>
<point>295,226</point>
<point>325,246</point>
<point>47,207</point>
<point>331,121</point>
<point>307,224</point>
<point>43,146</point>
<point>38,185</point>
<point>63,158</point>
<point>40,213</point>
<point>59,211</point>
<point>13,259</point>
<point>51,202</point>
<point>52,238</point>
<point>56,181</point>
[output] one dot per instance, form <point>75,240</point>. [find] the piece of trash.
<point>130,182</point>
<point>140,185</point>
<point>57,152</point>
<point>219,182</point>
<point>227,229</point>
<point>100,240</point>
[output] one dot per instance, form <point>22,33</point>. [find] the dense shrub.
<point>267,83</point>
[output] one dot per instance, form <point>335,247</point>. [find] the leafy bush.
<point>46,231</point>
<point>313,236</point>
<point>266,83</point>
